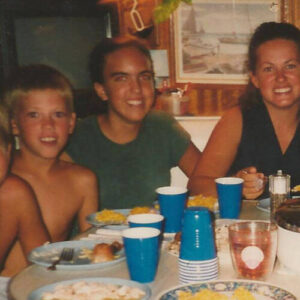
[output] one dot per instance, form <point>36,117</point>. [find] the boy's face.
<point>128,85</point>
<point>43,123</point>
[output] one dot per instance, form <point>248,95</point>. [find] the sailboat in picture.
<point>193,37</point>
<point>234,38</point>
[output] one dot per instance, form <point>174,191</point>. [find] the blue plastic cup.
<point>146,220</point>
<point>172,201</point>
<point>142,252</point>
<point>197,238</point>
<point>229,196</point>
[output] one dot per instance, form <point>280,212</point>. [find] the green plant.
<point>163,11</point>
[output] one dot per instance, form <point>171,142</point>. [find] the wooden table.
<point>35,276</point>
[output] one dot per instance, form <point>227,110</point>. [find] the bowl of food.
<point>288,220</point>
<point>92,288</point>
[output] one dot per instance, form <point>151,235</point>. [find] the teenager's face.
<point>128,85</point>
<point>278,73</point>
<point>43,123</point>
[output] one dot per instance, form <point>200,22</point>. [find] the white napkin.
<point>109,232</point>
<point>108,235</point>
<point>4,281</point>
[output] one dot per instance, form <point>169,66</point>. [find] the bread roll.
<point>105,252</point>
<point>102,252</point>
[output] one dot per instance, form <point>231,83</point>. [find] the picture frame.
<point>211,38</point>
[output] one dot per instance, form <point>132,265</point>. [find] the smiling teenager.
<point>130,147</point>
<point>261,135</point>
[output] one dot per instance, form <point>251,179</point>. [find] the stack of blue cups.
<point>198,258</point>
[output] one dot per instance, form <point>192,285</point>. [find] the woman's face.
<point>128,85</point>
<point>278,73</point>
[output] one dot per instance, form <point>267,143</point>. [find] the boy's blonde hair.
<point>32,77</point>
<point>6,137</point>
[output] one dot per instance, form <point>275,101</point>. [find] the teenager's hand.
<point>254,182</point>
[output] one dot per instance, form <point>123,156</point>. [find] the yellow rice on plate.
<point>239,294</point>
<point>110,216</point>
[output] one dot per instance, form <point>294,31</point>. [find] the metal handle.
<point>136,17</point>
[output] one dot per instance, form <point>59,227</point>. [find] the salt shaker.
<point>279,188</point>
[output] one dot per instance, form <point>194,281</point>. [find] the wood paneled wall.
<point>205,99</point>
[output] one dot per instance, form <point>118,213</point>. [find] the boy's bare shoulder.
<point>15,190</point>
<point>15,184</point>
<point>77,172</point>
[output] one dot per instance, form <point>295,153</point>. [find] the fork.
<point>65,255</point>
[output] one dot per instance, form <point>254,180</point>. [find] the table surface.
<point>36,276</point>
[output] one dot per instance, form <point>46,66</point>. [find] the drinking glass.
<point>142,252</point>
<point>253,246</point>
<point>146,220</point>
<point>172,201</point>
<point>229,196</point>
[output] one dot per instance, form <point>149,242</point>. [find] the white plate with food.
<point>109,218</point>
<point>108,288</point>
<point>116,219</point>
<point>242,289</point>
<point>87,255</point>
<point>264,205</point>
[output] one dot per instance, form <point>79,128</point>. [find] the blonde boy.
<point>41,104</point>
<point>20,218</point>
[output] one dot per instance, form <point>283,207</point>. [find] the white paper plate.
<point>46,254</point>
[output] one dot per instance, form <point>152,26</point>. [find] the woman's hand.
<point>254,182</point>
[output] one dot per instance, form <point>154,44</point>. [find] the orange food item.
<point>105,252</point>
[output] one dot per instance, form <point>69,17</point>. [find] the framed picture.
<point>211,38</point>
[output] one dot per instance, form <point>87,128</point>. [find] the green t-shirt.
<point>129,174</point>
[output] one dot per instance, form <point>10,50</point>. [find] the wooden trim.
<point>294,12</point>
